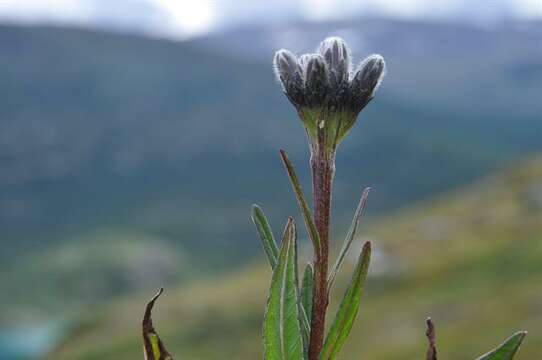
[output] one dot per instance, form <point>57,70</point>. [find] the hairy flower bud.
<point>319,86</point>
<point>316,80</point>
<point>303,61</point>
<point>289,73</point>
<point>366,81</point>
<point>337,56</point>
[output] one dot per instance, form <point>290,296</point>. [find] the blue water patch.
<point>28,342</point>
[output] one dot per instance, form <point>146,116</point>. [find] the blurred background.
<point>136,134</point>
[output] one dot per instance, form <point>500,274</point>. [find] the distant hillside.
<point>151,139</point>
<point>471,259</point>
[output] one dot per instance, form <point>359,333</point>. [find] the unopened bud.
<point>288,71</point>
<point>337,56</point>
<point>316,80</point>
<point>367,80</point>
<point>325,96</point>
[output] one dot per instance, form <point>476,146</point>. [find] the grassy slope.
<point>472,260</point>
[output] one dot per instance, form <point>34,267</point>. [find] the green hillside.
<point>471,259</point>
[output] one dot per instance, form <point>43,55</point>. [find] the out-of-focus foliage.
<point>90,269</point>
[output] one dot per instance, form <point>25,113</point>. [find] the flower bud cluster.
<point>327,95</point>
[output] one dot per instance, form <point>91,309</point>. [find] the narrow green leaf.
<point>307,294</point>
<point>349,238</point>
<point>306,330</point>
<point>344,320</point>
<point>507,349</point>
<point>305,211</point>
<point>307,289</point>
<point>266,235</point>
<point>282,324</point>
<point>153,347</point>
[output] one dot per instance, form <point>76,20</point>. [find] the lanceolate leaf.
<point>305,211</point>
<point>507,349</point>
<point>152,345</point>
<point>266,235</point>
<point>307,289</point>
<point>344,320</point>
<point>282,326</point>
<point>349,237</point>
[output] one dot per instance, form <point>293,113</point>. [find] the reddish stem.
<point>323,170</point>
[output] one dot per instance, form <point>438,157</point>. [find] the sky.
<point>188,18</point>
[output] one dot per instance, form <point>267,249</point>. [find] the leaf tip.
<point>430,329</point>
<point>150,304</point>
<point>284,157</point>
<point>429,323</point>
<point>290,225</point>
<point>254,210</point>
<point>521,335</point>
